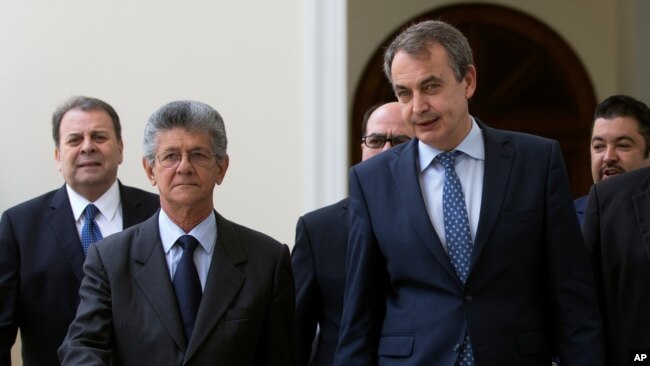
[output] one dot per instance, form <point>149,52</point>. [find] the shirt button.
<point>468,299</point>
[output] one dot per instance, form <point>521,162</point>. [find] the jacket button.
<point>468,299</point>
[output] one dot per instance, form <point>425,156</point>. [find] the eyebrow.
<point>621,138</point>
<point>430,79</point>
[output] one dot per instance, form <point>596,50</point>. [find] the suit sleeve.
<point>364,299</point>
<point>308,302</point>
<point>578,324</point>
<point>278,345</point>
<point>90,337</point>
<point>9,275</point>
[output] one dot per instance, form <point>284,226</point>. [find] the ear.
<point>148,169</point>
<point>223,167</point>
<point>470,81</point>
<point>57,157</point>
<point>120,151</point>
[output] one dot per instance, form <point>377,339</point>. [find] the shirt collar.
<point>107,204</point>
<point>205,232</point>
<point>472,145</point>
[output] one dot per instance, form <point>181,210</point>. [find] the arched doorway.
<point>529,80</point>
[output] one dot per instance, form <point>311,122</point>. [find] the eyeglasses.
<point>375,141</point>
<point>197,158</point>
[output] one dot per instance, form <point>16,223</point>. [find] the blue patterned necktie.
<point>187,284</point>
<point>458,235</point>
<point>90,231</point>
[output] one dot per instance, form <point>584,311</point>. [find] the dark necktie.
<point>90,231</point>
<point>187,284</point>
<point>458,235</point>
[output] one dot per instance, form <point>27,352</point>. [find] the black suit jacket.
<point>580,204</point>
<point>128,313</point>
<point>41,269</point>
<point>318,260</point>
<point>529,279</point>
<point>617,233</point>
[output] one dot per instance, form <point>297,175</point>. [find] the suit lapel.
<point>223,283</point>
<point>153,279</point>
<point>408,186</point>
<point>131,211</point>
<point>65,231</point>
<point>642,208</point>
<point>499,157</point>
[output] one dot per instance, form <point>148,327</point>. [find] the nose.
<point>387,145</point>
<point>87,145</point>
<point>419,103</point>
<point>610,155</point>
<point>185,165</point>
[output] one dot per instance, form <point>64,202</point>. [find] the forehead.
<point>612,128</point>
<point>387,122</point>
<point>77,120</point>
<point>413,68</point>
<point>182,139</point>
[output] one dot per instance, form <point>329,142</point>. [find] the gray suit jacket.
<point>128,313</point>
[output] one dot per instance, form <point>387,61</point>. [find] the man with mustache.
<point>620,141</point>
<point>42,249</point>
<point>617,233</point>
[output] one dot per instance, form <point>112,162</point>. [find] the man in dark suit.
<point>41,255</point>
<point>620,141</point>
<point>464,248</point>
<point>186,286</point>
<point>617,233</point>
<point>318,257</point>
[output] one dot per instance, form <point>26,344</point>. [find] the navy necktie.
<point>458,235</point>
<point>90,231</point>
<point>187,284</point>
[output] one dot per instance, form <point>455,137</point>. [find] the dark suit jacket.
<point>318,260</point>
<point>128,313</point>
<point>41,269</point>
<point>529,275</point>
<point>580,205</point>
<point>617,233</point>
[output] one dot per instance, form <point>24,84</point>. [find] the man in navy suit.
<point>620,141</point>
<point>617,233</point>
<point>41,255</point>
<point>318,257</point>
<point>516,284</point>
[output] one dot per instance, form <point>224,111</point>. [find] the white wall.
<point>245,58</point>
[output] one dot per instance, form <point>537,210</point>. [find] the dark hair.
<point>85,104</point>
<point>417,38</point>
<point>188,115</point>
<point>626,106</point>
<point>366,117</point>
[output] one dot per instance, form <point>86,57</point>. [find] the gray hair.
<point>83,103</point>
<point>188,115</point>
<point>417,38</point>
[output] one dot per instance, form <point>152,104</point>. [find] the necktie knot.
<point>187,242</point>
<point>447,159</point>
<point>90,212</point>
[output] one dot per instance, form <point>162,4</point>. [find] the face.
<point>186,185</point>
<point>432,100</point>
<point>616,147</point>
<point>385,121</point>
<point>88,153</point>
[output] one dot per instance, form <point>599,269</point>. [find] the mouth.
<point>427,122</point>
<point>88,164</point>
<point>610,172</point>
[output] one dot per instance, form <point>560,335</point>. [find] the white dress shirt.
<point>469,166</point>
<point>109,217</point>
<point>205,232</point>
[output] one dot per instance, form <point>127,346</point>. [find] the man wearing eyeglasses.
<point>186,286</point>
<point>42,245</point>
<point>318,257</point>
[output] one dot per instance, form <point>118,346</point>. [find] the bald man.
<point>318,257</point>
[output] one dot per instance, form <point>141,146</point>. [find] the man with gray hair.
<point>186,286</point>
<point>464,248</point>
<point>43,241</point>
